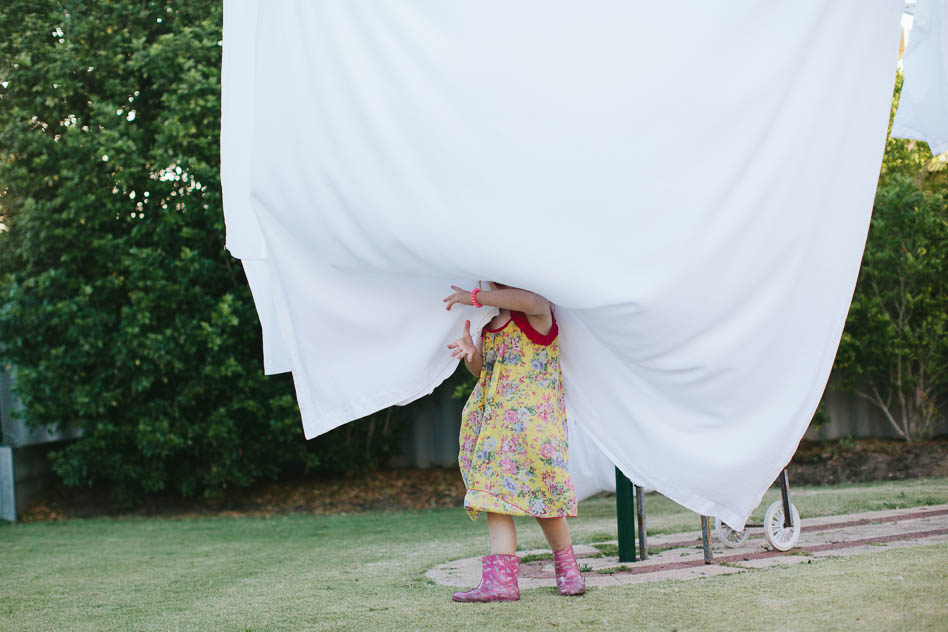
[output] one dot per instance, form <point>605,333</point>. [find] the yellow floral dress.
<point>513,442</point>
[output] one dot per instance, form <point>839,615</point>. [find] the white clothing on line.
<point>690,183</point>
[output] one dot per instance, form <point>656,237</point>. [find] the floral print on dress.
<point>513,442</point>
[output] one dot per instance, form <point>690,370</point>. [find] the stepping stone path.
<point>681,556</point>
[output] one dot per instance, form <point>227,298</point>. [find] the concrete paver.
<point>824,536</point>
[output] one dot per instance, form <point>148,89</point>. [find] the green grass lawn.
<point>366,572</point>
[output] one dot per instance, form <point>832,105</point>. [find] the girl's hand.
<point>464,346</point>
<point>460,295</point>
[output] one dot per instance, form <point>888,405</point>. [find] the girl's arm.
<point>508,298</point>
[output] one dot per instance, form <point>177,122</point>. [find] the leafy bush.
<point>119,305</point>
<point>894,350</point>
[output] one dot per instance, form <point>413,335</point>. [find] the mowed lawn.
<point>366,572</point>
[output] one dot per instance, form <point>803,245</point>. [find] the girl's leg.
<point>500,569</point>
<point>569,580</point>
<point>503,534</point>
<point>556,531</point>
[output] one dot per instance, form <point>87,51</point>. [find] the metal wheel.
<point>780,537</point>
<point>728,536</point>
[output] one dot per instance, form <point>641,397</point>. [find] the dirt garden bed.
<point>815,463</point>
<point>857,460</point>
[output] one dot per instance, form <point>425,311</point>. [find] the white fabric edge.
<point>353,411</point>
<point>243,237</point>
<point>903,130</point>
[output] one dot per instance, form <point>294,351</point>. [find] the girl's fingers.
<point>467,327</point>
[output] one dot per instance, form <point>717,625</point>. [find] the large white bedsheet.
<point>690,183</point>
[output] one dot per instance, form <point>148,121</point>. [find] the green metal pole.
<point>625,517</point>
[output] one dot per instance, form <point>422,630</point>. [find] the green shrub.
<point>894,349</point>
<point>119,305</point>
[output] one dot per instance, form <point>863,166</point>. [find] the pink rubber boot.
<point>569,581</point>
<point>498,580</point>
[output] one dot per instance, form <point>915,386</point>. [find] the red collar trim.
<point>535,336</point>
<point>502,327</point>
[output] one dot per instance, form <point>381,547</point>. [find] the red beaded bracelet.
<point>474,297</point>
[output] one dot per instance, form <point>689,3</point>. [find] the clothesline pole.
<point>640,514</point>
<point>625,516</point>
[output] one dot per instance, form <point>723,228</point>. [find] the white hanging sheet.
<point>690,183</point>
<point>923,104</point>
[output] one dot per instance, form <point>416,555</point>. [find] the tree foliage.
<point>119,306</point>
<point>894,349</point>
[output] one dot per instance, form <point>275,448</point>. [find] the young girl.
<point>513,438</point>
